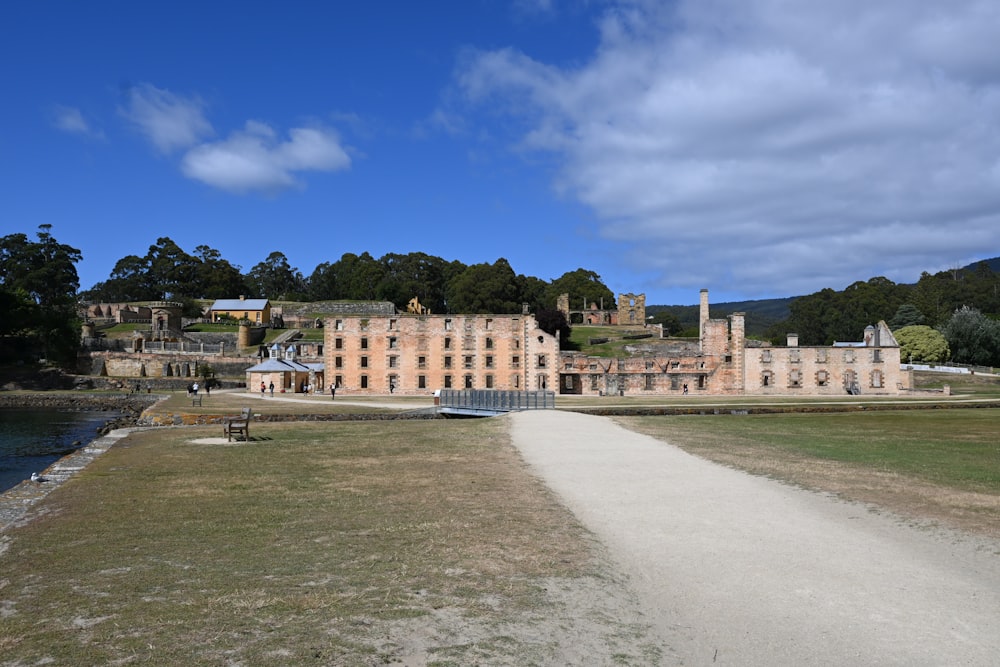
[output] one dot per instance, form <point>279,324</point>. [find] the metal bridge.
<point>491,402</point>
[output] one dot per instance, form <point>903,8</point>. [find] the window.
<point>821,356</point>
<point>467,361</point>
<point>649,365</point>
<point>364,342</point>
<point>392,343</point>
<point>339,380</point>
<point>393,361</point>
<point>766,379</point>
<point>489,325</point>
<point>876,379</point>
<point>447,382</point>
<point>650,381</point>
<point>515,361</point>
<point>516,343</point>
<point>793,356</point>
<point>364,362</point>
<point>364,381</point>
<point>447,327</point>
<point>675,382</point>
<point>595,382</point>
<point>421,361</point>
<point>542,359</point>
<point>849,356</point>
<point>338,343</point>
<point>338,362</point>
<point>447,343</point>
<point>447,362</point>
<point>822,378</point>
<point>765,356</point>
<point>489,381</point>
<point>489,343</point>
<point>515,381</point>
<point>392,324</point>
<point>568,382</point>
<point>468,382</point>
<point>421,382</point>
<point>795,379</point>
<point>542,381</point>
<point>877,356</point>
<point>489,361</point>
<point>338,325</point>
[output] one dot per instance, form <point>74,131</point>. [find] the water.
<point>32,440</point>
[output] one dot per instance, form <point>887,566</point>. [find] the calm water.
<point>32,440</point>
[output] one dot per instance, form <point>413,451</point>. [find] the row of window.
<point>822,378</point>
<point>393,343</point>
<point>449,324</point>
<point>468,381</point>
<point>468,361</point>
<point>795,356</point>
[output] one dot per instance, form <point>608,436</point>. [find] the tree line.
<point>39,291</point>
<point>958,307</point>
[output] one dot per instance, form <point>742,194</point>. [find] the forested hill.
<point>936,296</point>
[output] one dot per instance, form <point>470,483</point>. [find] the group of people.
<point>194,387</point>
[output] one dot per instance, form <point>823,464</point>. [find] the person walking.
<point>263,388</point>
<point>333,391</point>
<point>271,387</point>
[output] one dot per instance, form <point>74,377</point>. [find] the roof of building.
<point>240,304</point>
<point>282,366</point>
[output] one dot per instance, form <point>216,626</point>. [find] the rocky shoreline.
<point>128,407</point>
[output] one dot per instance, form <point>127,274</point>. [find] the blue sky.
<point>757,148</point>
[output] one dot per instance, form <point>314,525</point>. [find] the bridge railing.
<point>497,400</point>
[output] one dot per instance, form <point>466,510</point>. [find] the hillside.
<point>763,313</point>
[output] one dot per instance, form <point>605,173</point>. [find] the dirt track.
<point>741,570</point>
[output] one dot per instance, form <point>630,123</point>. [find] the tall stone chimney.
<point>702,316</point>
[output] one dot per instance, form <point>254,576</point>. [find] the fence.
<point>489,401</point>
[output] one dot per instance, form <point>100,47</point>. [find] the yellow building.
<point>257,311</point>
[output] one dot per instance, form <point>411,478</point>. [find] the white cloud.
<point>171,122</point>
<point>771,146</point>
<point>255,160</point>
<point>70,119</point>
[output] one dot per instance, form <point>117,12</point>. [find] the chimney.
<point>793,340</point>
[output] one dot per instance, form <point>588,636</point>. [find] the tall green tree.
<point>38,285</point>
<point>973,338</point>
<point>584,288</point>
<point>216,278</point>
<point>276,279</point>
<point>485,288</point>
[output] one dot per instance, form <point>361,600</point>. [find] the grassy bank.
<point>352,544</point>
<point>930,464</point>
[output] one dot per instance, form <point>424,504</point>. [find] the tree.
<point>275,279</point>
<point>921,343</point>
<point>38,285</point>
<point>973,338</point>
<point>906,315</point>
<point>485,288</point>
<point>671,323</point>
<point>45,270</point>
<point>583,287</point>
<point>554,322</point>
<point>216,278</point>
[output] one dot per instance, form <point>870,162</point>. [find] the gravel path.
<point>741,570</point>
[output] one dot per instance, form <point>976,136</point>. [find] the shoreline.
<point>17,501</point>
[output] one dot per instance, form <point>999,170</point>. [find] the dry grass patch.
<point>334,544</point>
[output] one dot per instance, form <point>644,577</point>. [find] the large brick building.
<point>416,354</point>
<point>413,354</point>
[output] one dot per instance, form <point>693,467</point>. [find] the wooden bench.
<point>196,400</point>
<point>238,425</point>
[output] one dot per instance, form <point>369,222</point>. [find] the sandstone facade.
<point>417,354</point>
